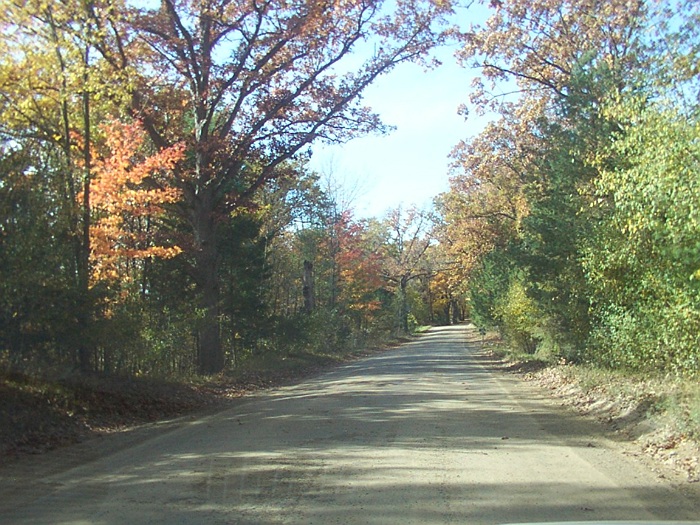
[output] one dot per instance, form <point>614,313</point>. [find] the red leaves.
<point>360,266</point>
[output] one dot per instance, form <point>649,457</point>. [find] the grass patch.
<point>683,406</point>
<point>517,361</point>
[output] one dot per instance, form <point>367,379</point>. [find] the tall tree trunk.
<point>404,305</point>
<point>206,270</point>
<point>308,287</point>
<point>85,310</point>
<point>211,355</point>
<point>80,230</point>
<point>456,312</point>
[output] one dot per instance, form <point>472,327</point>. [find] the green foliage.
<point>329,332</point>
<point>519,316</point>
<point>244,273</point>
<point>234,204</point>
<point>38,292</point>
<point>596,171</point>
<point>551,240</point>
<point>488,286</point>
<point>643,260</point>
<point>418,306</point>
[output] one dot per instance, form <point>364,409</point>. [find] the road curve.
<point>426,433</point>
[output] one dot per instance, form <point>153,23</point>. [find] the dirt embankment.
<point>637,411</point>
<point>38,414</point>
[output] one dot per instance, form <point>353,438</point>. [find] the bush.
<point>520,317</point>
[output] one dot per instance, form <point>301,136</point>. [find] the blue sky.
<point>409,165</point>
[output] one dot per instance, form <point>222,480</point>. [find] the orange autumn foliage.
<point>128,192</point>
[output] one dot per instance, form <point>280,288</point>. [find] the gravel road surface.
<point>426,433</point>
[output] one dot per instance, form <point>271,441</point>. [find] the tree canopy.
<point>573,214</point>
<point>167,143</point>
<point>159,215</point>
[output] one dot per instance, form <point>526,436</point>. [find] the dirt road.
<point>423,434</point>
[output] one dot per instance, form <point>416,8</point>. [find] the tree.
<point>642,259</point>
<point>129,193</point>
<point>248,86</point>
<point>38,296</point>
<point>519,210</point>
<point>487,200</point>
<point>596,260</point>
<point>539,46</point>
<point>50,80</point>
<point>405,259</point>
<point>293,211</point>
<point>359,269</point>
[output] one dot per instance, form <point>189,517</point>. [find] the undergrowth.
<point>41,411</point>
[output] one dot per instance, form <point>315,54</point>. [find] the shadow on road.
<point>425,433</point>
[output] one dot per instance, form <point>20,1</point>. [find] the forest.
<point>159,218</point>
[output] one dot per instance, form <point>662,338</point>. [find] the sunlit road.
<point>425,434</point>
